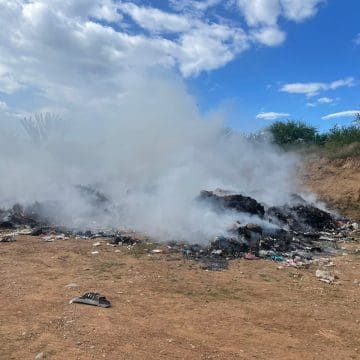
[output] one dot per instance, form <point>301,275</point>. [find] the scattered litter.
<point>123,240</point>
<point>94,253</point>
<point>97,244</point>
<point>92,298</point>
<point>72,286</point>
<point>40,356</point>
<point>298,262</point>
<point>61,237</point>
<point>26,231</point>
<point>48,238</point>
<point>157,251</point>
<point>7,239</point>
<point>325,276</point>
<point>330,264</point>
<point>249,256</point>
<point>355,226</point>
<point>277,258</point>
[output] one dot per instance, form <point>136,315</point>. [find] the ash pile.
<point>294,233</point>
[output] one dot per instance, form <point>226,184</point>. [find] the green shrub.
<point>292,133</point>
<point>343,135</point>
<point>321,139</point>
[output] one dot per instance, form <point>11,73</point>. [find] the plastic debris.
<point>48,238</point>
<point>249,256</point>
<point>278,258</point>
<point>7,239</point>
<point>92,298</point>
<point>325,276</point>
<point>72,286</point>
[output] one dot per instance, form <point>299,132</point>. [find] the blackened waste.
<point>296,230</point>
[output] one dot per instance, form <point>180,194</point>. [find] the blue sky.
<point>321,49</point>
<point>254,60</point>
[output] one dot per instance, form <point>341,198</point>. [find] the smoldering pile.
<point>296,231</point>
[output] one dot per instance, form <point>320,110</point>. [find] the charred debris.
<point>294,232</point>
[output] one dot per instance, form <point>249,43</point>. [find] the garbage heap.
<point>295,232</point>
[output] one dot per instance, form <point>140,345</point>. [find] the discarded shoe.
<point>92,298</point>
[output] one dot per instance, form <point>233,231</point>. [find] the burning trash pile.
<point>293,233</point>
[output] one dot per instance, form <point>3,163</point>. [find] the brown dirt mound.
<point>337,182</point>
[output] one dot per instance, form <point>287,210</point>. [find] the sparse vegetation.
<point>338,142</point>
<point>344,135</point>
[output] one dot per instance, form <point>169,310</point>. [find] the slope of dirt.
<point>168,308</point>
<point>337,182</point>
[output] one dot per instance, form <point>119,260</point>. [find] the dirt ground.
<point>165,307</point>
<point>337,182</point>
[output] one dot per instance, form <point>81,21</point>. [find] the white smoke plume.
<point>129,126</point>
<point>151,153</point>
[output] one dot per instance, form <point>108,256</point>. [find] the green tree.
<point>292,132</point>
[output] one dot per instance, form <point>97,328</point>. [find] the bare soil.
<point>167,308</point>
<point>337,182</point>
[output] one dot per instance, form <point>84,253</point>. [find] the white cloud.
<point>271,115</point>
<point>300,10</point>
<point>156,20</point>
<point>8,82</point>
<point>342,114</point>
<point>357,39</point>
<point>325,100</point>
<point>268,12</point>
<point>262,16</point>
<point>321,101</point>
<point>200,46</point>
<point>348,82</point>
<point>83,9</point>
<point>208,47</point>
<point>196,45</point>
<point>313,89</point>
<point>309,89</point>
<point>71,51</point>
<point>270,36</point>
<point>260,12</point>
<point>193,4</point>
<point>3,106</point>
